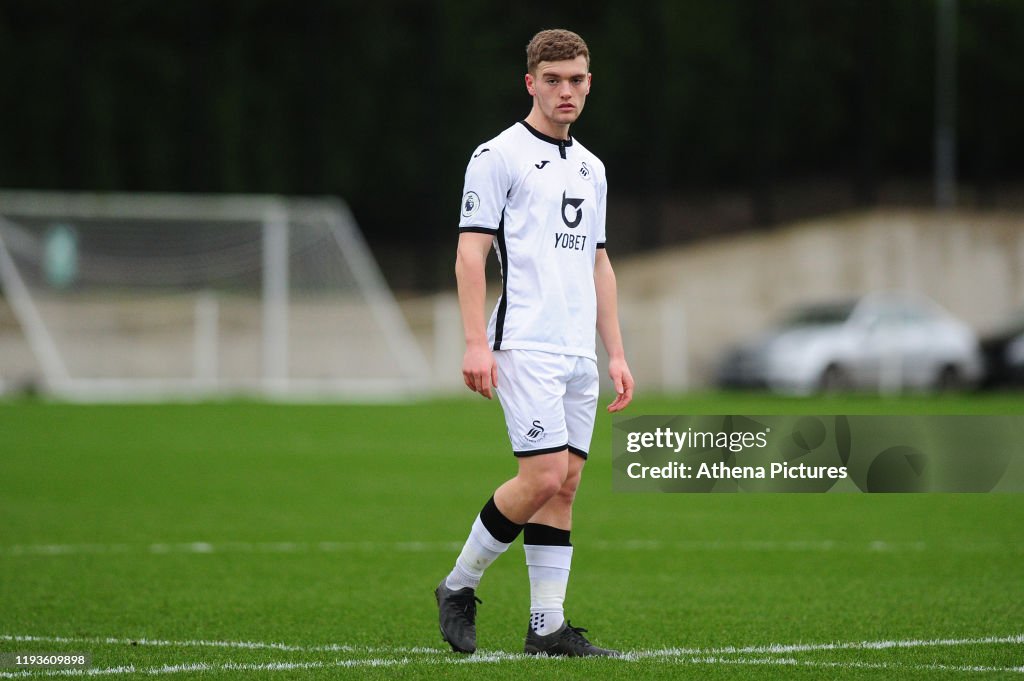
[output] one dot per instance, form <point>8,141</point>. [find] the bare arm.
<point>611,334</point>
<point>479,370</point>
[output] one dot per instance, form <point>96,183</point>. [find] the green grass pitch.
<point>247,540</point>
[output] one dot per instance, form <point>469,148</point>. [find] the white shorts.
<point>550,401</point>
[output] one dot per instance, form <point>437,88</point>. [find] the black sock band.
<point>500,527</point>
<point>545,535</point>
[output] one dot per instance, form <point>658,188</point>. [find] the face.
<point>559,89</point>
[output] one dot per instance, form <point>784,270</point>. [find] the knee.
<point>547,484</point>
<point>567,491</point>
<point>558,487</point>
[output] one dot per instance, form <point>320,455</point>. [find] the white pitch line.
<point>772,648</point>
<point>246,645</point>
<point>894,666</point>
<point>741,546</point>
<point>207,667</point>
<point>780,648</point>
<point>708,660</point>
<point>205,547</point>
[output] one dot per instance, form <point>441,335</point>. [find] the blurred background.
<point>259,196</point>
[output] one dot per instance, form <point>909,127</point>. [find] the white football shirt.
<point>543,199</point>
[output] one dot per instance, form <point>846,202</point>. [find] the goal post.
<point>156,296</point>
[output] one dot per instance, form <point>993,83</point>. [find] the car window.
<point>816,315</point>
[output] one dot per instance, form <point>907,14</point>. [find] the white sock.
<point>549,577</point>
<point>480,550</point>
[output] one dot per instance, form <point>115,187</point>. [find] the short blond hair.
<point>555,44</point>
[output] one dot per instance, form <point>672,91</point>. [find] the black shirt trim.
<point>499,322</point>
<point>561,144</point>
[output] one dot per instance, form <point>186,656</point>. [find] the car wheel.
<point>834,380</point>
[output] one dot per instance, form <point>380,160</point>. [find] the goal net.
<point>128,296</point>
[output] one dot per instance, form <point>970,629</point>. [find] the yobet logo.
<point>575,205</point>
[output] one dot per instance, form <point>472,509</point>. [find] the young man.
<point>538,197</point>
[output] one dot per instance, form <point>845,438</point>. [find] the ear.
<point>530,85</point>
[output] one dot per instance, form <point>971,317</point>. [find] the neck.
<point>543,124</point>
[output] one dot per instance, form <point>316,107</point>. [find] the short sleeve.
<point>485,191</point>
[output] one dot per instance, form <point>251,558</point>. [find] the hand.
<point>618,371</point>
<point>480,370</point>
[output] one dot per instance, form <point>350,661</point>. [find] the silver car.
<point>882,342</point>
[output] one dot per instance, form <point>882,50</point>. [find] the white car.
<point>882,342</point>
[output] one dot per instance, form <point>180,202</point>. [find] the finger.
<point>627,397</point>
<point>485,384</point>
<point>623,399</point>
<point>494,374</point>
